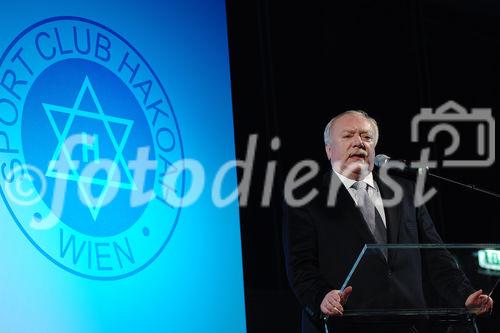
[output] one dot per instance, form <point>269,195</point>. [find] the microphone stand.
<point>409,170</point>
<point>469,186</point>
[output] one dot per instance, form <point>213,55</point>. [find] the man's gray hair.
<point>353,112</point>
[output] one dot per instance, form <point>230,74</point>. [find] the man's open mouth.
<point>358,155</point>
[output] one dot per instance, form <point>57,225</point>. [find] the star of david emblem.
<point>74,113</point>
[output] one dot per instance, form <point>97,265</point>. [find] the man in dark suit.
<point>322,240</point>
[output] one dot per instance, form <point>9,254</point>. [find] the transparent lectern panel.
<point>420,279</point>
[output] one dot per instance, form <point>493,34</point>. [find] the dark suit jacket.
<point>321,244</point>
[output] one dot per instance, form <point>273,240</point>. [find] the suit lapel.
<point>346,207</point>
<point>392,214</point>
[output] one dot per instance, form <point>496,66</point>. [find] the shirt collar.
<point>348,182</point>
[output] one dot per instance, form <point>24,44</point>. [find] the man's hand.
<point>333,301</point>
<point>479,303</point>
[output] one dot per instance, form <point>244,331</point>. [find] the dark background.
<point>295,65</point>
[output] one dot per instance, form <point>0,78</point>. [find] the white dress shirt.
<point>373,192</point>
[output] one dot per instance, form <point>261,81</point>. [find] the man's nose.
<point>358,142</point>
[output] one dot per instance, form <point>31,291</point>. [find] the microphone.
<point>381,159</point>
<point>401,166</point>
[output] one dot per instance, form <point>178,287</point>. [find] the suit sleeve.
<point>301,255</point>
<point>443,270</point>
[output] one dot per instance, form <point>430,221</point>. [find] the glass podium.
<point>419,282</point>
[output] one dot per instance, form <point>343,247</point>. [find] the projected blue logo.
<point>88,138</point>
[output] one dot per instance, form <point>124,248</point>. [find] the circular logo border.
<point>174,225</point>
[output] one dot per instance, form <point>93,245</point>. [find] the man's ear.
<point>328,149</point>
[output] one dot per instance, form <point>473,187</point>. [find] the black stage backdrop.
<point>295,65</point>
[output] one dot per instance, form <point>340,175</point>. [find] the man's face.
<point>352,146</point>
